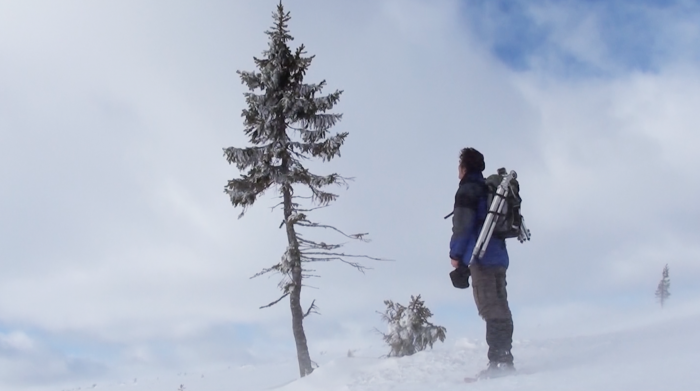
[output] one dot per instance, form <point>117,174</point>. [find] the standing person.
<point>488,273</point>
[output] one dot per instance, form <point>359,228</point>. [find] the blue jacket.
<point>469,213</point>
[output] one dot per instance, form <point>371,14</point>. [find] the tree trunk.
<point>303,357</point>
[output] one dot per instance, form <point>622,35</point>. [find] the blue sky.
<point>634,35</point>
<point>121,253</point>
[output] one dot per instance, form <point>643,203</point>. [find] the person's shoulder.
<point>471,189</point>
<point>468,194</point>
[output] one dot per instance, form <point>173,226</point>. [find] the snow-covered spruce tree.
<point>409,328</point>
<point>287,123</point>
<point>662,291</point>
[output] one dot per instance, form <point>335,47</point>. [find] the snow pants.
<point>491,298</point>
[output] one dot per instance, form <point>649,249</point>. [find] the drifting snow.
<point>657,356</point>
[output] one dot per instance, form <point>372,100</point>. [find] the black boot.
<point>495,369</point>
<point>499,337</point>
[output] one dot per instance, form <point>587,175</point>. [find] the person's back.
<point>489,272</point>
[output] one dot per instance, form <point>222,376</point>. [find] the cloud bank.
<point>120,248</point>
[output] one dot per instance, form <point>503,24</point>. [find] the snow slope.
<point>659,355</point>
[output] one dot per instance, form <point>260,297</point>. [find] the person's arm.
<point>463,221</point>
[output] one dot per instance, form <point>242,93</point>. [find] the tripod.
<point>496,210</point>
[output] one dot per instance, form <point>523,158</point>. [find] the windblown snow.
<point>662,354</point>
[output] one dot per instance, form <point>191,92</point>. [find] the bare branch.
<point>313,209</point>
<point>356,265</point>
<point>276,301</point>
<point>319,259</point>
<point>272,208</point>
<point>312,308</point>
<point>305,253</point>
<point>264,271</point>
<point>309,224</point>
<point>310,244</point>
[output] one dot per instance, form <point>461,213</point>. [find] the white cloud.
<point>16,340</point>
<point>117,229</point>
<point>613,37</point>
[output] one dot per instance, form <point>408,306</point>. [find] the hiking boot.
<point>499,337</point>
<point>497,369</point>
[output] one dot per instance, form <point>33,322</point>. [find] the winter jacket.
<point>469,213</point>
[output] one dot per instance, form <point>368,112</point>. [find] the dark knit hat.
<point>472,160</point>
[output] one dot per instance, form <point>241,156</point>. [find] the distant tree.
<point>287,123</point>
<point>662,291</point>
<point>409,328</point>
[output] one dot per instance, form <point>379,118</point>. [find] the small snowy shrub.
<point>409,328</point>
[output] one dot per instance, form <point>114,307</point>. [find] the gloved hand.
<point>460,276</point>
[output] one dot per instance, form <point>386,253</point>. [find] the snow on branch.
<point>325,103</point>
<point>326,150</point>
<point>311,89</point>
<point>329,148</point>
<point>284,266</point>
<point>318,123</point>
<point>252,80</point>
<point>244,158</point>
<point>321,197</point>
<point>327,180</point>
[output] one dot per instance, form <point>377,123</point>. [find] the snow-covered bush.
<point>409,328</point>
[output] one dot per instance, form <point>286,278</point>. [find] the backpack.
<point>509,223</point>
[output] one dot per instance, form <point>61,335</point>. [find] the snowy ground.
<point>662,354</point>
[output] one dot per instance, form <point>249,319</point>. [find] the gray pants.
<point>491,297</point>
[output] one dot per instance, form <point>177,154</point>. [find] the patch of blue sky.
<point>85,352</point>
<point>632,35</point>
<point>506,26</point>
<point>74,346</point>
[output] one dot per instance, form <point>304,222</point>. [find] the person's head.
<point>470,160</point>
